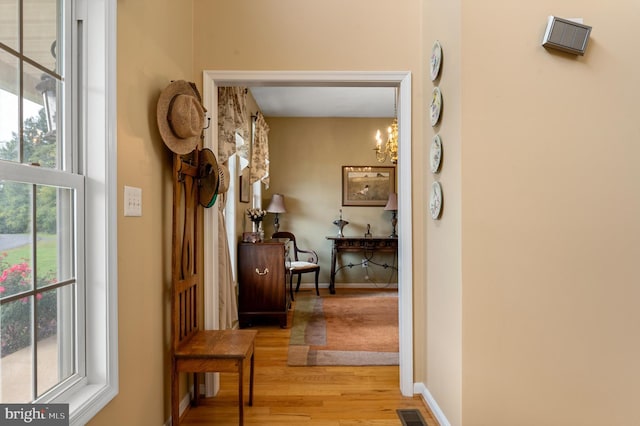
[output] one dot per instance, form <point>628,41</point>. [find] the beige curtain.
<point>228,306</point>
<point>260,152</point>
<point>232,118</point>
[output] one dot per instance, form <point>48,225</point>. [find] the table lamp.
<point>392,204</point>
<point>276,206</point>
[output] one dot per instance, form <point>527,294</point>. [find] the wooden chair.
<point>195,350</point>
<point>298,266</point>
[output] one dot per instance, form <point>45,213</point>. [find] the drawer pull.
<point>265,272</point>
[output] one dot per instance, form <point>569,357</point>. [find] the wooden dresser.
<point>262,281</point>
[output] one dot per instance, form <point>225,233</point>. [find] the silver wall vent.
<point>566,35</point>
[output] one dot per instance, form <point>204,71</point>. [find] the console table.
<point>359,244</point>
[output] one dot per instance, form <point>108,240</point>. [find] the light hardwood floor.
<point>314,396</point>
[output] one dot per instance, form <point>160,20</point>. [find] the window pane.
<point>55,337</point>
<point>54,246</point>
<point>9,102</point>
<point>40,118</point>
<point>16,373</point>
<point>9,23</point>
<point>15,238</point>
<point>41,31</point>
<point>41,303</point>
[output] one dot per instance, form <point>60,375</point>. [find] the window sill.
<point>88,401</point>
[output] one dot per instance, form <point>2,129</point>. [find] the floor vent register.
<point>411,418</point>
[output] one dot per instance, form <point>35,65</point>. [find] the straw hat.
<point>225,179</point>
<point>209,178</point>
<point>180,116</point>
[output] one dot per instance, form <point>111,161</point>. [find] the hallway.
<point>327,396</point>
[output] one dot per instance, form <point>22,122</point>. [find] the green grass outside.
<point>47,253</point>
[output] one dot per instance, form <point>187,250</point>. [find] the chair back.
<point>312,255</point>
<point>291,237</point>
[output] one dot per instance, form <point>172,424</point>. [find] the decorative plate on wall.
<point>436,59</point>
<point>435,154</point>
<point>435,200</point>
<point>436,106</point>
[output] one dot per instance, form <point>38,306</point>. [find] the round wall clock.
<point>436,59</point>
<point>436,106</point>
<point>436,153</point>
<point>435,200</point>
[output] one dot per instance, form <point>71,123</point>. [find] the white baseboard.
<point>420,388</point>
<point>184,403</point>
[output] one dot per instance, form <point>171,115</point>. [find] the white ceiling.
<point>366,102</point>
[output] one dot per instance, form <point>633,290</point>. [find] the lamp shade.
<point>277,204</point>
<point>392,203</point>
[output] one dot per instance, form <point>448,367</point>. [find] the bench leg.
<point>251,381</point>
<point>240,390</point>
<point>175,397</point>
<point>240,393</point>
<point>196,391</point>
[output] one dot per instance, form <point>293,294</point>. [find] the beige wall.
<point>307,155</point>
<point>149,57</point>
<point>550,219</point>
<point>443,298</point>
<point>290,35</point>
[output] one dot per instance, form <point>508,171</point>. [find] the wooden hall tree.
<point>195,350</point>
<point>195,183</point>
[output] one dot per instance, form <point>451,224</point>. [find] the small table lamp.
<point>392,204</point>
<point>276,206</point>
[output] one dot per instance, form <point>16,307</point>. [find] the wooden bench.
<point>224,351</point>
<point>195,350</point>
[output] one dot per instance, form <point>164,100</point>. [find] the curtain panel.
<point>232,119</point>
<point>260,152</point>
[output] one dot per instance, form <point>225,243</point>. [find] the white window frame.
<point>96,90</point>
<point>90,39</point>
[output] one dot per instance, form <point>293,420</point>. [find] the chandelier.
<point>390,148</point>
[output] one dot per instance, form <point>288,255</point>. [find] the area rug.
<point>352,327</point>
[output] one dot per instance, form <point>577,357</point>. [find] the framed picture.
<point>367,186</point>
<point>245,187</point>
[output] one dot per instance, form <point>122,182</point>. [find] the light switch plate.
<point>132,201</point>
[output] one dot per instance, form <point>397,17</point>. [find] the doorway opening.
<point>402,80</point>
